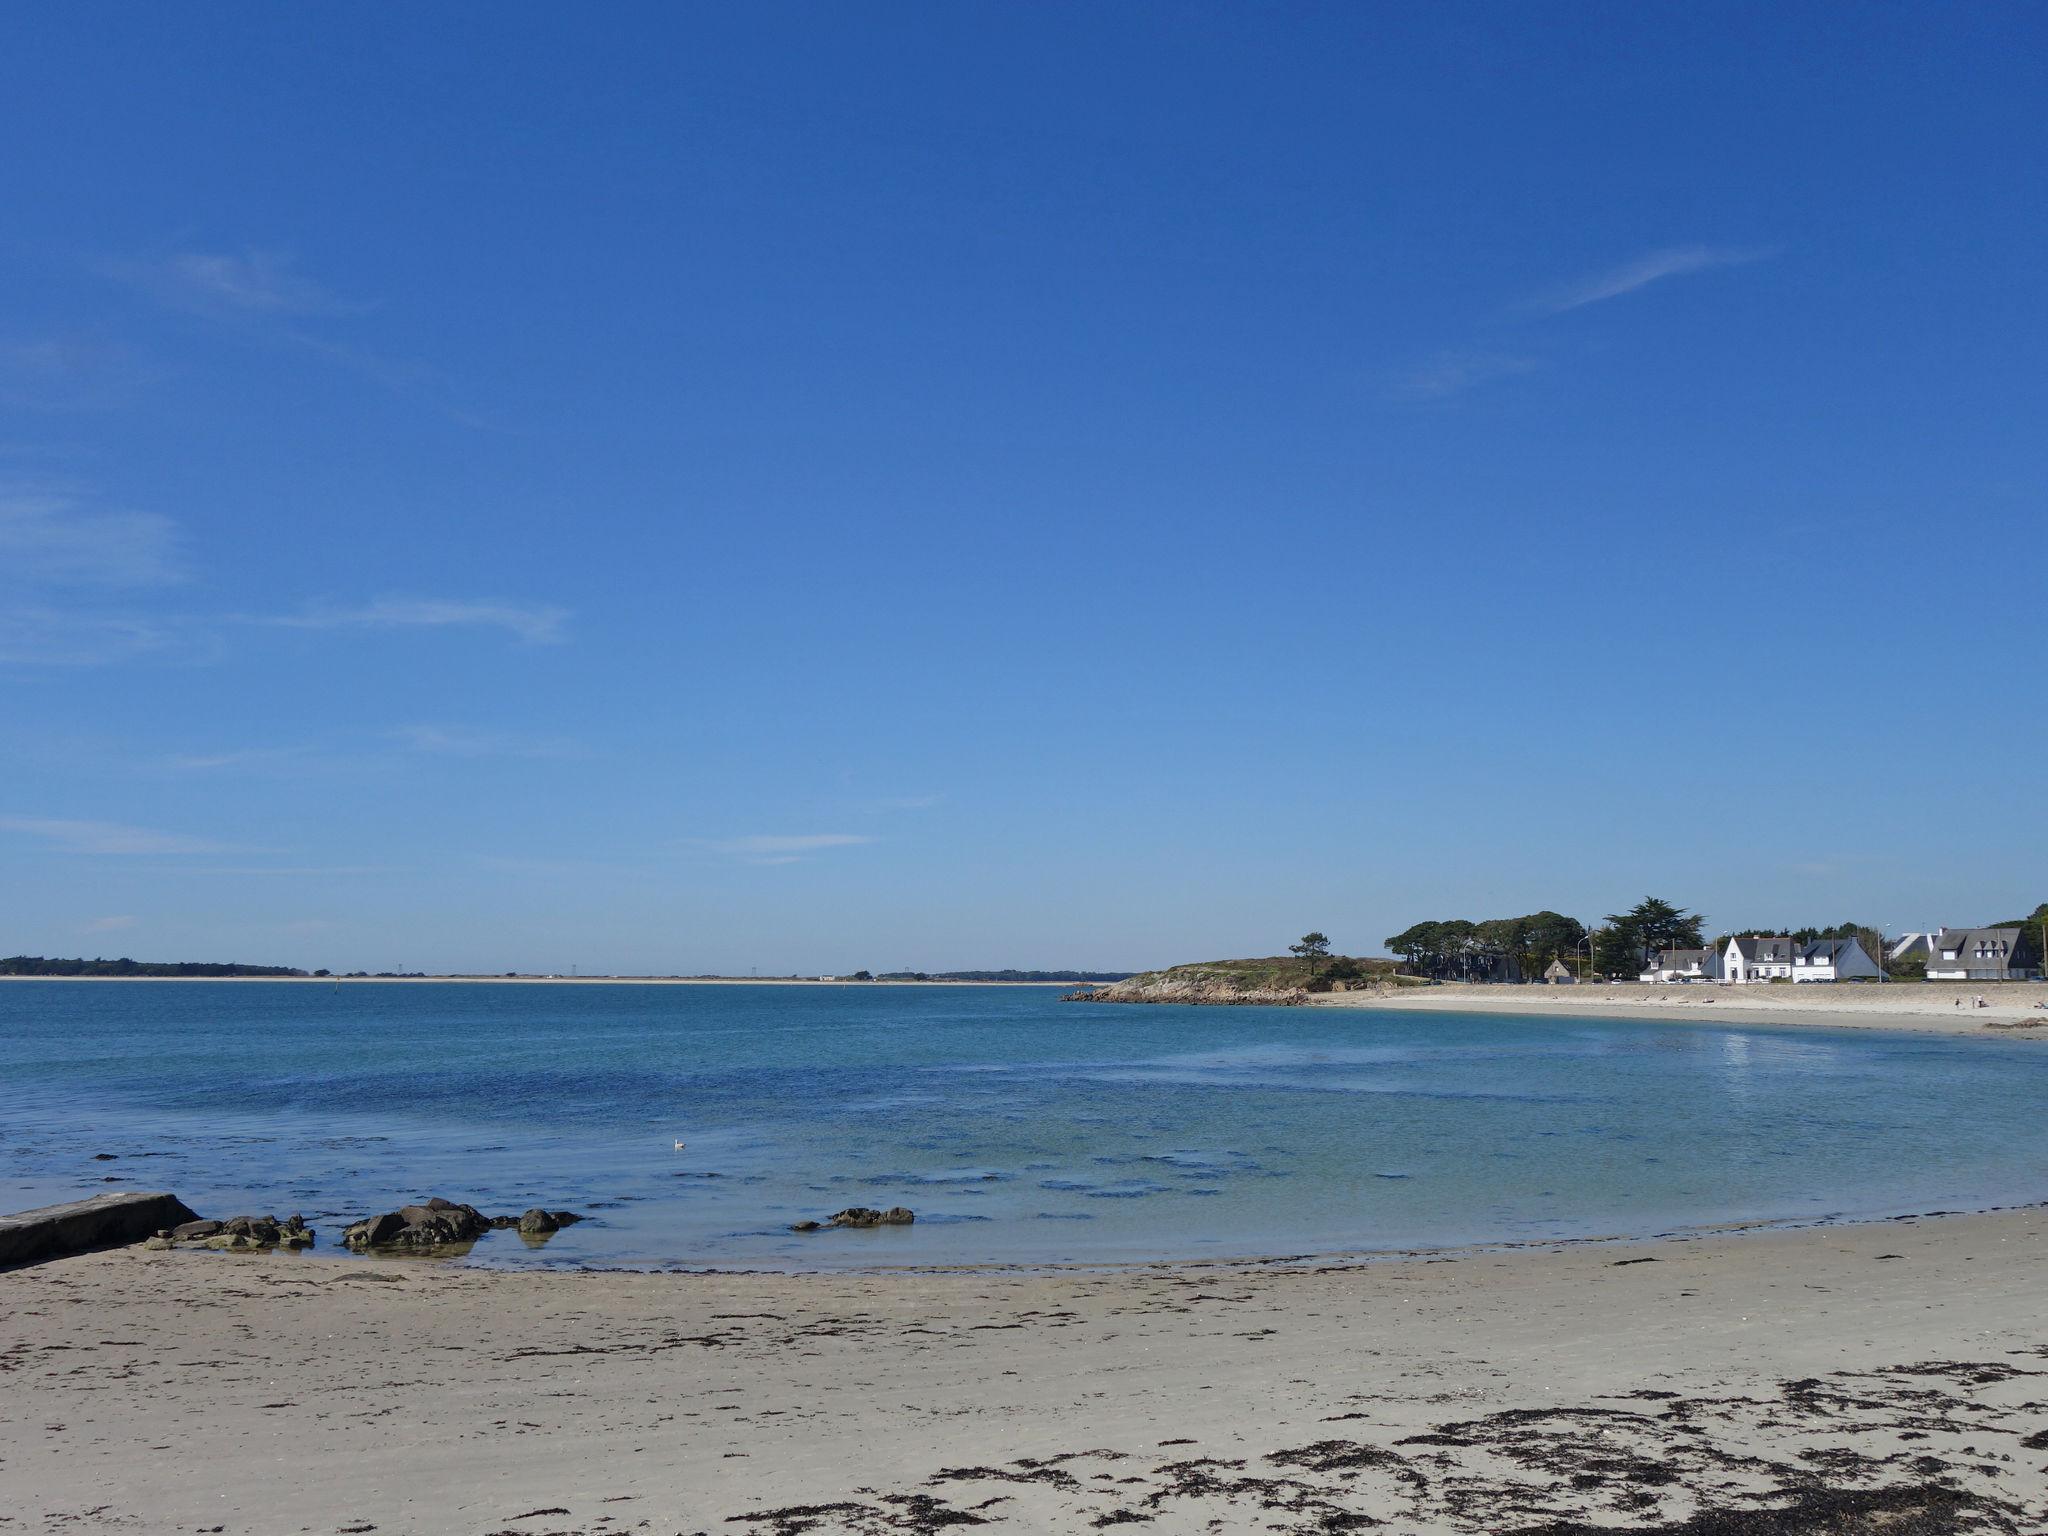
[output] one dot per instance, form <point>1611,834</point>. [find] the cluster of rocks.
<point>238,1234</point>
<point>439,1223</point>
<point>860,1216</point>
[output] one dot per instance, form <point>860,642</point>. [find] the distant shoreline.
<point>549,981</point>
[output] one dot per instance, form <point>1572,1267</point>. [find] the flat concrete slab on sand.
<point>99,1222</point>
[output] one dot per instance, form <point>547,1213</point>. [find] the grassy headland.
<point>1270,979</point>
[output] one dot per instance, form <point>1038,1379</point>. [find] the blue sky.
<point>807,487</point>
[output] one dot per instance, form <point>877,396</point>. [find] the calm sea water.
<point>1020,1130</point>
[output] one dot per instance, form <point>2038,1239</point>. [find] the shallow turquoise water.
<point>1019,1129</point>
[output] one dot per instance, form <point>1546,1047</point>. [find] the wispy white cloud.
<point>67,373</point>
<point>243,871</point>
<point>1672,261</point>
<point>459,741</point>
<point>109,924</point>
<point>775,848</point>
<point>262,296</point>
<point>538,624</point>
<point>247,757</point>
<point>107,836</point>
<point>50,538</point>
<point>59,551</point>
<point>41,636</point>
<point>57,545</point>
<point>905,803</point>
<point>246,283</point>
<point>804,843</point>
<point>1453,372</point>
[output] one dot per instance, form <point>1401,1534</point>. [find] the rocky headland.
<point>1279,981</point>
<point>1169,987</point>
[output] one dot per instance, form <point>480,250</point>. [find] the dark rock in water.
<point>439,1223</point>
<point>373,1231</point>
<point>434,1223</point>
<point>867,1216</point>
<point>191,1231</point>
<point>262,1230</point>
<point>805,1226</point>
<point>535,1215</point>
<point>105,1157</point>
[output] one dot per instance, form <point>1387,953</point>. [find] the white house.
<point>1758,958</point>
<point>1834,960</point>
<point>1680,965</point>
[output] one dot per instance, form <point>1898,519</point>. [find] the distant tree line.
<point>2036,919</point>
<point>36,965</point>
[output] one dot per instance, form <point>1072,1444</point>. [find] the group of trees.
<point>36,965</point>
<point>1629,939</point>
<point>1520,948</point>
<point>2036,920</point>
<point>1313,966</point>
<point>1806,935</point>
<point>1495,949</point>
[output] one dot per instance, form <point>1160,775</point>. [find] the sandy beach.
<point>1859,1378</point>
<point>2011,1009</point>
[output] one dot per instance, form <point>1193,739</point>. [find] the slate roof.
<point>1998,943</point>
<point>1829,950</point>
<point>1765,951</point>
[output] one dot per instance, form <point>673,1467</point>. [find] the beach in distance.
<point>2013,1010</point>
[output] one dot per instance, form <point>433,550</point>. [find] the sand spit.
<point>1886,1377</point>
<point>2011,1010</point>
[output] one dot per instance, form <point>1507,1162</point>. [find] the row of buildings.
<point>1949,954</point>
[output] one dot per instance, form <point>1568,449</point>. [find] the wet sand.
<point>1939,1008</point>
<point>1883,1377</point>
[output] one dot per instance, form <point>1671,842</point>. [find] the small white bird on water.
<point>679,1146</point>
